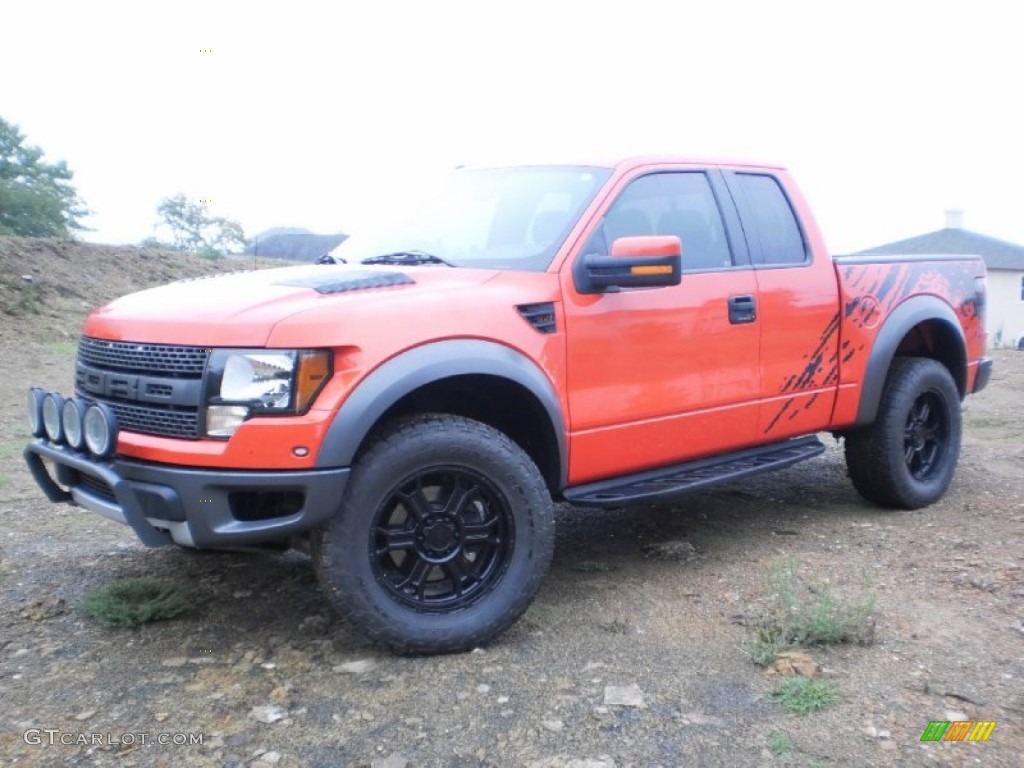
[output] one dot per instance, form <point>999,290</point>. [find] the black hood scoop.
<point>351,280</point>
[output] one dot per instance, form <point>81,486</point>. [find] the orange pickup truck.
<point>596,334</point>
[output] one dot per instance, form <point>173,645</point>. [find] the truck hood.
<point>242,309</point>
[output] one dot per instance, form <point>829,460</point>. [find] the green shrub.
<point>798,615</point>
<point>210,254</point>
<point>778,743</point>
<point>131,602</point>
<point>803,695</point>
<point>28,300</point>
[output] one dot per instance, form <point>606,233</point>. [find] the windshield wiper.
<point>408,258</point>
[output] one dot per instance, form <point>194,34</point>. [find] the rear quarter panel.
<point>871,288</point>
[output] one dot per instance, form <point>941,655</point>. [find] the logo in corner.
<point>958,730</point>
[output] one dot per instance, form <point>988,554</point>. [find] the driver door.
<point>661,375</point>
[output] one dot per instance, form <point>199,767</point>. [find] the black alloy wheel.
<point>442,539</point>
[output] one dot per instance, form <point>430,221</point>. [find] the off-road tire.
<point>907,457</point>
<point>461,492</point>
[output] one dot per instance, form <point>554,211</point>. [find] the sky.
<point>321,114</point>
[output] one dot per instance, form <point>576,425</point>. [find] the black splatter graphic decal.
<point>870,292</point>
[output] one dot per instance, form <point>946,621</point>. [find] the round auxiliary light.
<point>35,411</point>
<point>52,404</point>
<point>100,428</point>
<point>71,415</point>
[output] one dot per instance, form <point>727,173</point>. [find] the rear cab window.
<point>771,227</point>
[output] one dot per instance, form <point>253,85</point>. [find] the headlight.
<point>71,415</point>
<point>262,380</point>
<point>52,404</point>
<point>253,382</point>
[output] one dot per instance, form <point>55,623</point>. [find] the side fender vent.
<point>540,316</point>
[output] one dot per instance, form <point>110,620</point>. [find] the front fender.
<point>409,371</point>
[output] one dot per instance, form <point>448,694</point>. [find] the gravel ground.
<point>633,654</point>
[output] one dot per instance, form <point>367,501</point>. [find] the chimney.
<point>954,219</point>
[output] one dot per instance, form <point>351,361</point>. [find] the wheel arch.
<point>448,377</point>
<point>922,326</point>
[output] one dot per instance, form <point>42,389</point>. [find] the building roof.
<point>998,254</point>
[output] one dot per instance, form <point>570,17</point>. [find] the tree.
<point>194,230</point>
<point>36,197</point>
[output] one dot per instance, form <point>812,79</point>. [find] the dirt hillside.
<point>47,285</point>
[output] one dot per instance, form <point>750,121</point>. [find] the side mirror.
<point>636,262</point>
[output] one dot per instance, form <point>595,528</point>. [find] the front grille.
<point>96,487</point>
<point>166,359</point>
<point>154,420</point>
<point>133,377</point>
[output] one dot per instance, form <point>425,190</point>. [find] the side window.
<point>680,204</point>
<point>771,218</point>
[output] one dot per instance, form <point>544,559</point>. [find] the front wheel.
<point>443,538</point>
<point>906,459</point>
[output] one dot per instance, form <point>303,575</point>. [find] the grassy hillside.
<point>48,286</point>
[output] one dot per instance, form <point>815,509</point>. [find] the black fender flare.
<point>912,312</point>
<point>423,365</point>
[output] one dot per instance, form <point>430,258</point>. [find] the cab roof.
<point>622,164</point>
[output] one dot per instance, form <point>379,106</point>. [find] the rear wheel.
<point>906,459</point>
<point>443,538</point>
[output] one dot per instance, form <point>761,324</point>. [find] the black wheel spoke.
<point>417,578</point>
<point>481,533</point>
<point>909,452</point>
<point>455,571</point>
<point>415,503</point>
<point>461,493</point>
<point>923,410</point>
<point>395,539</point>
<point>928,454</point>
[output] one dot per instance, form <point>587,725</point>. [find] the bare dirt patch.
<point>633,654</point>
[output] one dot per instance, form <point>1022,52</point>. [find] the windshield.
<point>498,218</point>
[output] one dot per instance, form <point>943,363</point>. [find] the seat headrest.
<point>628,222</point>
<point>548,225</point>
<point>700,248</point>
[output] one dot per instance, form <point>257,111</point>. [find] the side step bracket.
<point>682,478</point>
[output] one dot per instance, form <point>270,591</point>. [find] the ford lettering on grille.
<point>155,389</point>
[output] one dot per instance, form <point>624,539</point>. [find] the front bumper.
<point>204,508</point>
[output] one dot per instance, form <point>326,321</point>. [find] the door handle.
<point>742,309</point>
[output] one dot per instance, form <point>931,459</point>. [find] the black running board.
<point>682,478</point>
